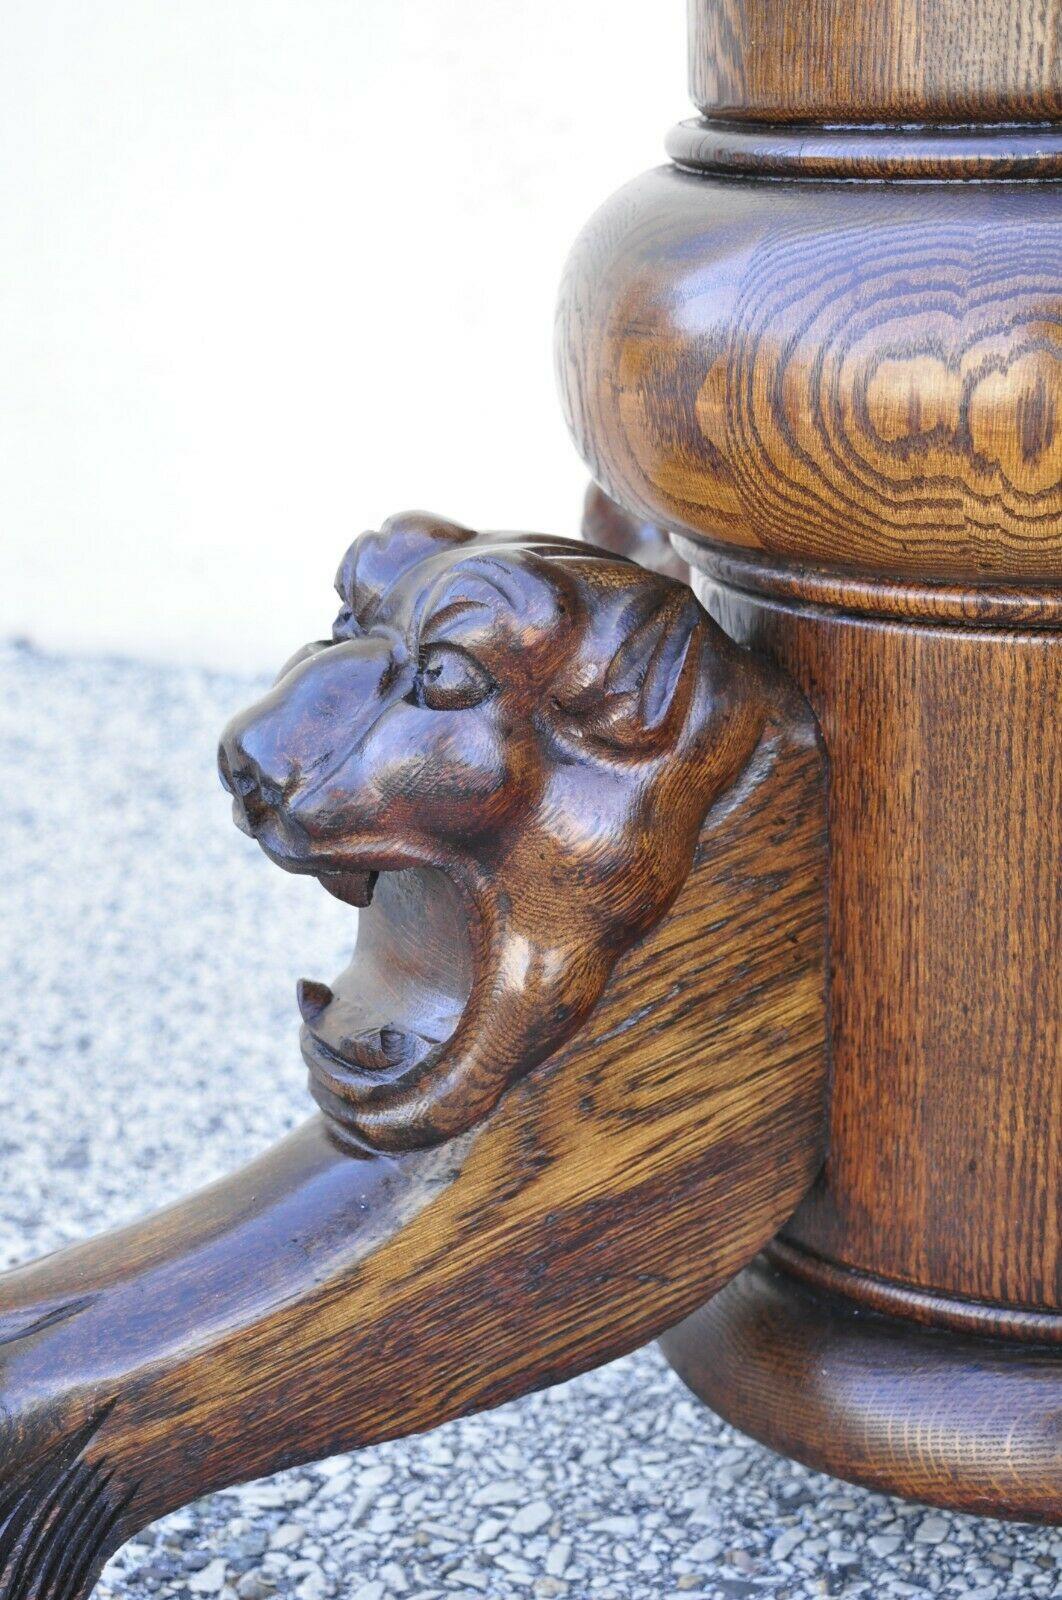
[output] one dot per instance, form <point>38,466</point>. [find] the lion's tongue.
<point>355,888</point>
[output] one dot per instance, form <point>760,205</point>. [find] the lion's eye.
<point>449,679</point>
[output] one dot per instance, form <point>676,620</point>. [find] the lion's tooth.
<point>355,888</point>
<point>313,998</point>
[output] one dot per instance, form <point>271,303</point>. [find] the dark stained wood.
<point>934,1310</point>
<point>862,376</point>
<point>938,739</point>
<point>908,1334</point>
<point>945,744</point>
<point>511,712</point>
<point>887,151</point>
<point>493,1220</point>
<point>573,1079</point>
<point>899,598</point>
<point>883,61</point>
<point>841,399</point>
<point>954,1419</point>
<point>609,526</point>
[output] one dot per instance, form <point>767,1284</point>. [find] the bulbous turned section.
<point>853,377</point>
<point>572,1079</point>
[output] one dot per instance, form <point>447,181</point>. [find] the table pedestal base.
<point>957,1419</point>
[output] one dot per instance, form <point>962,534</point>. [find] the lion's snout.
<point>254,766</point>
<point>259,765</point>
<point>274,755</point>
<point>256,795</point>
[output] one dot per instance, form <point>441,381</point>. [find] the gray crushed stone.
<point>149,1045</point>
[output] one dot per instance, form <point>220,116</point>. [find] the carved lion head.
<point>523,736</point>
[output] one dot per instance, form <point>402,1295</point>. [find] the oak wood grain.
<point>753,149</point>
<point>910,1337</point>
<point>821,357</point>
<point>896,598</point>
<point>607,524</point>
<point>859,376</point>
<point>886,61</point>
<point>968,1422</point>
<point>945,744</point>
<point>914,1304</point>
<point>332,1294</point>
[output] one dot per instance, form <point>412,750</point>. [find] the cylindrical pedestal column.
<point>829,363</point>
<point>905,1328</point>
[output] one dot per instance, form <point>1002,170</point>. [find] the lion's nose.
<point>254,793</point>
<point>273,753</point>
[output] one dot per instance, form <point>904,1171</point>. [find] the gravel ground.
<point>151,972</point>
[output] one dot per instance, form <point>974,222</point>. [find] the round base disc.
<point>966,1422</point>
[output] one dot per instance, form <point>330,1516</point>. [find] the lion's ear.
<point>376,560</point>
<point>647,686</point>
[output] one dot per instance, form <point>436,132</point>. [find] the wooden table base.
<point>904,1329</point>
<point>822,354</point>
<point>908,1333</point>
<point>695,924</point>
<point>955,1419</point>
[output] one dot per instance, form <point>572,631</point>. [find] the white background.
<point>271,269</point>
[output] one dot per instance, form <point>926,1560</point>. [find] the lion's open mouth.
<point>402,995</point>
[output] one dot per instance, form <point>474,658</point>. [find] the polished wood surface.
<point>958,1420</point>
<point>484,1224</point>
<point>929,1307</point>
<point>945,743</point>
<point>511,712</point>
<point>616,1012</point>
<point>915,1246</point>
<point>882,61</point>
<point>864,376</point>
<point>612,528</point>
<point>895,598</point>
<point>886,151</point>
<point>940,738</point>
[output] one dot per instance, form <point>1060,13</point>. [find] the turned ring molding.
<point>968,152</point>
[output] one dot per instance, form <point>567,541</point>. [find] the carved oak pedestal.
<point>823,349</point>
<point>709,972</point>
